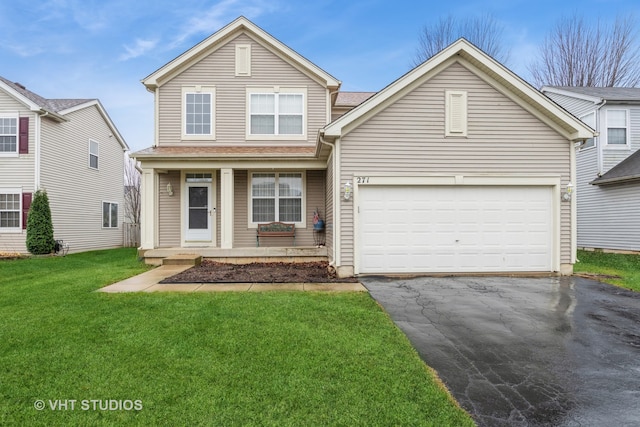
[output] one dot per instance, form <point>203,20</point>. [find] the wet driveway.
<point>525,351</point>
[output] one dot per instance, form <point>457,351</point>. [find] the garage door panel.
<point>455,229</point>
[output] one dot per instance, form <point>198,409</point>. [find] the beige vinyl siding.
<point>407,139</point>
<point>246,237</point>
<point>169,210</point>
<point>75,191</point>
<point>218,69</point>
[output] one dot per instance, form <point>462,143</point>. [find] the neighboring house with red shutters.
<point>457,166</point>
<point>71,149</point>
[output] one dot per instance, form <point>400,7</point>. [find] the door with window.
<point>199,209</point>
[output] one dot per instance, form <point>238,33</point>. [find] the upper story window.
<point>93,154</point>
<point>276,112</point>
<point>9,135</point>
<point>617,127</point>
<point>198,112</point>
<point>589,120</point>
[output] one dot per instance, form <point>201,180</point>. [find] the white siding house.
<point>608,166</point>
<point>71,149</point>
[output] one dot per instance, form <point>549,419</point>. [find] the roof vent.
<point>20,85</point>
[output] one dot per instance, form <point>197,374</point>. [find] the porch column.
<point>226,210</point>
<point>148,190</point>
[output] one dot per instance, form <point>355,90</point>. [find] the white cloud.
<point>138,49</point>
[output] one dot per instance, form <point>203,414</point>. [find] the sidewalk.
<point>148,282</point>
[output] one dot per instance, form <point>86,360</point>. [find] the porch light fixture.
<point>170,189</point>
<point>566,196</point>
<point>347,190</point>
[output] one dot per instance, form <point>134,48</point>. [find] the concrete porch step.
<point>183,259</point>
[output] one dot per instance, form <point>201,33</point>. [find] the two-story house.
<point>71,149</point>
<point>608,166</point>
<point>457,166</point>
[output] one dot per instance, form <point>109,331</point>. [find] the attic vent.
<point>456,113</point>
<point>243,60</point>
<point>20,85</point>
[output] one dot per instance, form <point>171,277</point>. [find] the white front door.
<point>199,210</point>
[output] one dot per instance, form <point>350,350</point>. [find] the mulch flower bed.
<point>259,272</point>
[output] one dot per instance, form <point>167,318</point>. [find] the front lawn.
<point>279,358</point>
<point>617,269</point>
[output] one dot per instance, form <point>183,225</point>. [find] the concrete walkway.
<point>149,282</point>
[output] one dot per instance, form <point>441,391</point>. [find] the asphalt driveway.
<point>525,351</point>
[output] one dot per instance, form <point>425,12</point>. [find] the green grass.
<point>624,268</point>
<point>278,358</point>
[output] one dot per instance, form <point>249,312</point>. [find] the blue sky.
<point>103,48</point>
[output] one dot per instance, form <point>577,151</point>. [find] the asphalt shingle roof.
<point>609,93</point>
<point>626,170</point>
<point>53,105</point>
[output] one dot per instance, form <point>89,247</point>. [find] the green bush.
<point>40,239</point>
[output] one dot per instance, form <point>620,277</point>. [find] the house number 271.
<point>362,179</point>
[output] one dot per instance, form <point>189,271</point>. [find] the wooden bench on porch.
<point>275,229</point>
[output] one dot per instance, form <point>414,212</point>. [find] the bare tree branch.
<point>132,200</point>
<point>483,31</point>
<point>578,54</point>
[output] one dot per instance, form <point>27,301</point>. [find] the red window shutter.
<point>23,135</point>
<point>26,204</point>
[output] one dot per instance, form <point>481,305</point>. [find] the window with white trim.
<point>276,112</point>
<point>617,127</point>
<point>94,149</point>
<point>9,134</point>
<point>198,112</point>
<point>456,113</point>
<point>109,215</point>
<point>10,211</point>
<point>276,197</point>
<point>589,120</point>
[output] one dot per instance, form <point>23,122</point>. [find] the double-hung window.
<point>10,211</point>
<point>617,128</point>
<point>198,112</point>
<point>274,113</point>
<point>94,148</point>
<point>276,197</point>
<point>109,215</point>
<point>8,135</point>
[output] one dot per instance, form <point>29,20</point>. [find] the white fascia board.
<point>19,97</point>
<point>462,50</point>
<point>594,99</point>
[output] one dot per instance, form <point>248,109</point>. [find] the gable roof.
<point>58,108</point>
<point>35,101</point>
<point>613,95</point>
<point>625,171</point>
<point>484,66</point>
<point>240,25</point>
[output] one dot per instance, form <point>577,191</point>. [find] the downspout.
<point>600,153</point>
<point>38,136</point>
<point>336,200</point>
<point>574,205</point>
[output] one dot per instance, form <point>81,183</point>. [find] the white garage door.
<point>454,229</point>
